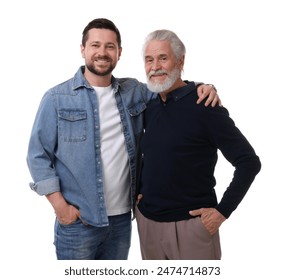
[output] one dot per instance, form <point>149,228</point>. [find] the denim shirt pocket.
<point>72,125</point>
<point>136,114</point>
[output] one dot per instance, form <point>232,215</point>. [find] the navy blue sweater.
<point>179,149</point>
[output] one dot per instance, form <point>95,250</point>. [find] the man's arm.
<point>238,151</point>
<point>40,159</point>
<point>65,213</point>
<point>208,90</point>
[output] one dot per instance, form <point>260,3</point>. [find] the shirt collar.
<point>80,81</point>
<point>179,93</point>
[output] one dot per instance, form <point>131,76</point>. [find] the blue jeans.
<point>84,242</point>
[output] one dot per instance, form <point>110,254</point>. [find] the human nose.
<point>155,65</point>
<point>101,50</point>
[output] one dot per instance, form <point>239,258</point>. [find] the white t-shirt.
<point>116,173</point>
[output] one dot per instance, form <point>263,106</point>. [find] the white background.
<point>236,45</point>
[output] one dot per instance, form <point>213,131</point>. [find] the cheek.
<point>171,66</point>
<point>147,69</point>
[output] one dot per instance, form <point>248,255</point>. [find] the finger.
<point>199,100</point>
<point>210,98</point>
<point>203,95</point>
<point>196,212</point>
<point>215,101</point>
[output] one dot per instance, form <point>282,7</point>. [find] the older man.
<point>178,213</point>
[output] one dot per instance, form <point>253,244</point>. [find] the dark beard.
<point>93,70</point>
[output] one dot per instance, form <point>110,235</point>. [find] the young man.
<point>82,151</point>
<point>178,213</point>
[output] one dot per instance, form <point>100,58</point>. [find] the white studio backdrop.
<point>236,45</point>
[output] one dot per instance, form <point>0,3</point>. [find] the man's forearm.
<point>56,200</point>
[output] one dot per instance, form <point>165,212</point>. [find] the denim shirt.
<point>64,149</point>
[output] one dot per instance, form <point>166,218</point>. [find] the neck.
<point>97,81</point>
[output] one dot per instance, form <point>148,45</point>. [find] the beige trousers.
<point>183,240</point>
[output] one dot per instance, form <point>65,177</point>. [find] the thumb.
<point>196,212</point>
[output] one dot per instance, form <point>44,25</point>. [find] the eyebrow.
<point>159,56</point>
<point>99,42</point>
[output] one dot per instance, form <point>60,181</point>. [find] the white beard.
<point>163,86</point>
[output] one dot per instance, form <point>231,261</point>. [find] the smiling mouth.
<point>102,60</point>
<point>157,76</point>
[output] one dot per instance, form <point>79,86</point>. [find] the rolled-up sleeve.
<point>46,187</point>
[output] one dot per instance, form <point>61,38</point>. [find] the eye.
<point>110,47</point>
<point>148,60</point>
